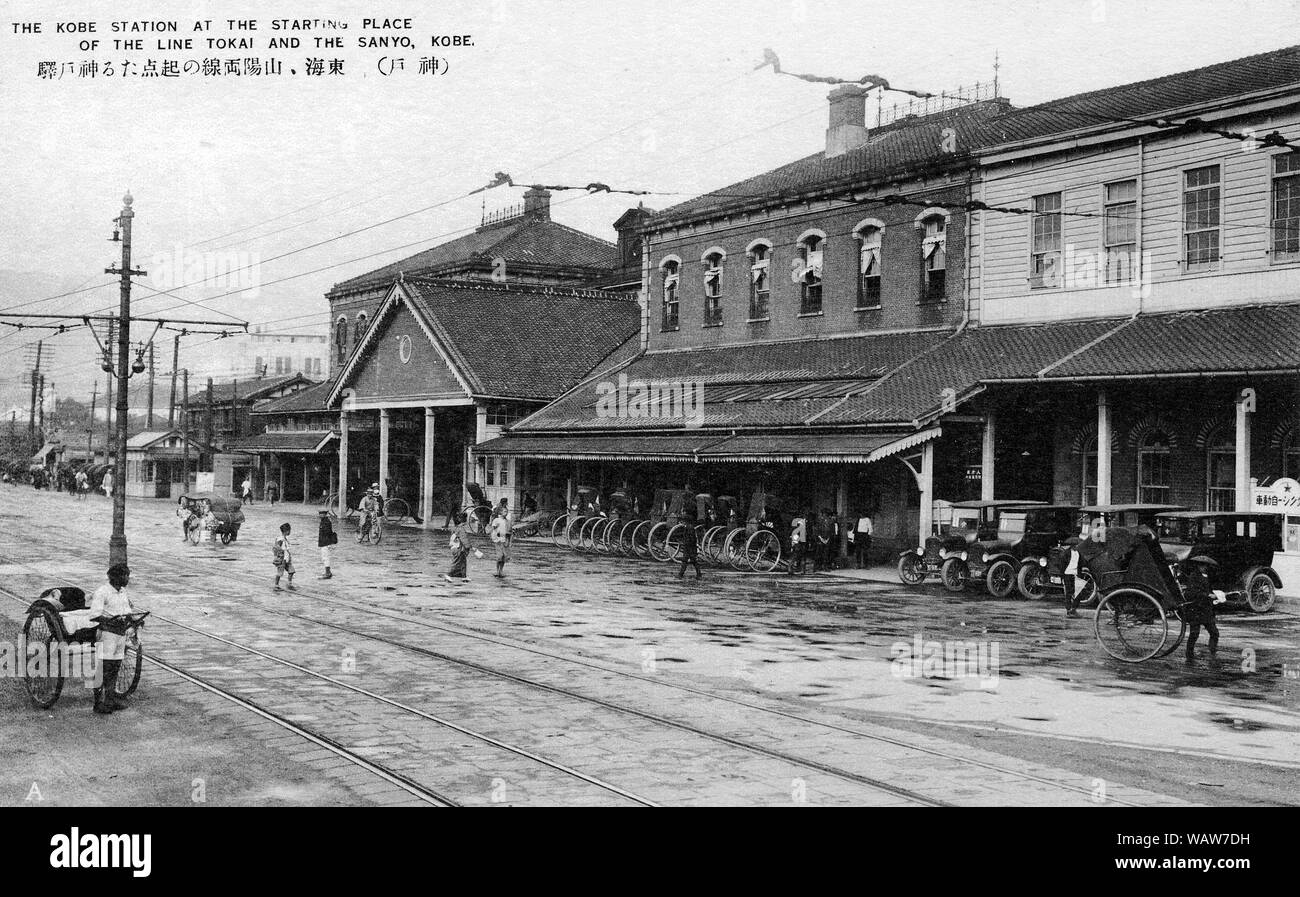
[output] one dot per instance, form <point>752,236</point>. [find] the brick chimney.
<point>848,122</point>
<point>537,204</point>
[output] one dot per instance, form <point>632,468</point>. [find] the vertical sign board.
<point>1282,497</point>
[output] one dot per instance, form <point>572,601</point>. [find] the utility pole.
<point>149,418</point>
<point>40,410</point>
<point>185,434</point>
<point>31,416</point>
<point>207,420</point>
<point>90,425</point>
<point>234,409</point>
<point>117,541</point>
<point>171,405</point>
<point>108,392</point>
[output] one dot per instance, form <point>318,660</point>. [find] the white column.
<point>306,480</point>
<point>343,465</point>
<point>1245,404</point>
<point>383,452</point>
<point>426,492</point>
<point>1103,448</point>
<point>926,484</point>
<point>986,457</point>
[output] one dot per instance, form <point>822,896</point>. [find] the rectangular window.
<point>1045,242</point>
<point>810,284</point>
<point>870,272</point>
<point>713,292</point>
<point>1201,201</point>
<point>1153,478</point>
<point>504,479</point>
<point>1119,226</point>
<point>934,256</point>
<point>257,367</point>
<point>671,301</point>
<point>1286,206</point>
<point>491,472</point>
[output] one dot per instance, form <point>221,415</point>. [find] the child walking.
<point>282,556</point>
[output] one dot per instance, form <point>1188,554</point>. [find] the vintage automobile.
<point>971,520</point>
<point>1096,519</point>
<point>1242,543</point>
<point>1016,558</point>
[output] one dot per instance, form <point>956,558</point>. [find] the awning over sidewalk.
<point>672,447</point>
<point>289,443</point>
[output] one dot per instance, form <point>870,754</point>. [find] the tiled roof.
<point>911,144</point>
<point>524,342</point>
<point>1255,338</point>
<point>645,448</point>
<point>144,438</point>
<point>523,241</point>
<point>310,399</point>
<point>280,442</point>
<point>1144,99</point>
<point>248,390</point>
<point>758,385</point>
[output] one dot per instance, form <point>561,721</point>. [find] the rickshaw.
<point>1095,519</point>
<point>548,508</point>
<point>663,539</point>
<point>226,513</point>
<point>585,507</point>
<point>478,511</point>
<point>725,516</point>
<point>759,545</point>
<point>1141,613</point>
<point>59,627</point>
<point>613,535</point>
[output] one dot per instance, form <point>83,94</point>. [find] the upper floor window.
<point>1291,455</point>
<point>341,339</point>
<point>760,280</point>
<point>1119,230</point>
<point>810,274</point>
<point>1201,202</point>
<point>1286,205</point>
<point>670,271</point>
<point>869,267</point>
<point>713,288</point>
<point>934,258</point>
<point>1045,249</point>
<point>359,330</point>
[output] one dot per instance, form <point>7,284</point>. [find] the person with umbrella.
<point>1199,600</point>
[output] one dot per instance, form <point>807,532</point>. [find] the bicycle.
<point>370,528</point>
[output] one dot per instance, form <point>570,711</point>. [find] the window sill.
<point>811,314</point>
<point>925,302</point>
<point>707,326</point>
<point>868,308</point>
<point>1283,258</point>
<point>669,329</point>
<point>1199,267</point>
<point>758,320</point>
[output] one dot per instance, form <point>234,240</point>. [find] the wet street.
<point>601,680</point>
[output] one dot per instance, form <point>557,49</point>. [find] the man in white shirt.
<point>111,600</point>
<point>502,533</point>
<point>862,540</point>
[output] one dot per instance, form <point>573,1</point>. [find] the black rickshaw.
<point>227,517</point>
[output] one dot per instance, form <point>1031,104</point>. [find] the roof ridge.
<point>490,286</point>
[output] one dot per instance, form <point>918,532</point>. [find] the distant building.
<point>262,353</point>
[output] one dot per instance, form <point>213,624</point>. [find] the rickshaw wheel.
<point>1029,580</point>
<point>42,628</point>
<point>641,540</point>
<point>193,535</point>
<point>225,538</point>
<point>1088,594</point>
<point>763,551</point>
<point>1000,579</point>
<point>1261,594</point>
<point>707,549</point>
<point>572,528</point>
<point>132,662</point>
<point>909,570</point>
<point>657,541</point>
<point>1131,625</point>
<point>733,550</point>
<point>558,526</point>
<point>955,574</point>
<point>673,541</point>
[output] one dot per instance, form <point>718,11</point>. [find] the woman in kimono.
<point>459,544</point>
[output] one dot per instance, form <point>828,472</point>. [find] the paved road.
<point>593,680</point>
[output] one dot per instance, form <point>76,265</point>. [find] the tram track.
<point>470,633</point>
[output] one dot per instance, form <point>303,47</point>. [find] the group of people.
<point>816,537</point>
<point>271,492</point>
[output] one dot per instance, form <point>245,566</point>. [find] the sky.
<point>296,177</point>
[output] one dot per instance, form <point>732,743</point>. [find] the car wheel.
<point>1000,579</point>
<point>955,574</point>
<point>1029,580</point>
<point>909,570</point>
<point>1261,594</point>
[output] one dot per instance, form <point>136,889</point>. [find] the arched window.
<point>869,267</point>
<point>1153,468</point>
<point>671,270</point>
<point>341,339</point>
<point>809,273</point>
<point>1221,471</point>
<point>359,329</point>
<point>934,259</point>
<point>1291,454</point>
<point>713,288</point>
<point>760,280</point>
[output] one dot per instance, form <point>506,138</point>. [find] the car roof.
<point>1107,509</point>
<point>1197,515</point>
<point>1038,506</point>
<point>997,503</point>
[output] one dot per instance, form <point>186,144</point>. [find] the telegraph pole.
<point>185,434</point>
<point>90,425</point>
<point>117,541</point>
<point>40,410</point>
<point>149,418</point>
<point>108,391</point>
<point>171,405</point>
<point>31,416</point>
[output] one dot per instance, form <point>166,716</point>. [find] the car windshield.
<point>1177,529</point>
<point>1013,523</point>
<point>965,519</point>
